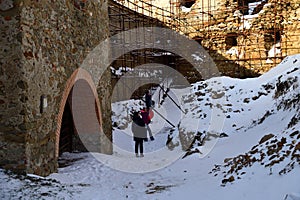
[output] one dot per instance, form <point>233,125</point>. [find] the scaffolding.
<point>245,38</point>
<point>123,18</point>
<point>250,36</point>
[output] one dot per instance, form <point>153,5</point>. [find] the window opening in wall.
<point>272,37</point>
<point>269,40</point>
<point>231,40</point>
<point>251,7</point>
<point>277,36</point>
<point>187,3</point>
<point>272,44</point>
<point>256,7</point>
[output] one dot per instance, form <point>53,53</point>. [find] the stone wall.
<point>12,93</point>
<point>44,43</point>
<point>261,40</point>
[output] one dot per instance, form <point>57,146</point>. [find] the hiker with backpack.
<point>139,131</point>
<point>146,118</point>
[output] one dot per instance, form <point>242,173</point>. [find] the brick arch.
<point>78,74</point>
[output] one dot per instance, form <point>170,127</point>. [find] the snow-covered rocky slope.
<point>223,106</point>
<point>240,140</point>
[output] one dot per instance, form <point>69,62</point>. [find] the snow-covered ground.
<point>257,157</point>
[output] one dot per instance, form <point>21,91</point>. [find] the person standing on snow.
<point>147,120</point>
<point>139,133</point>
<point>148,99</point>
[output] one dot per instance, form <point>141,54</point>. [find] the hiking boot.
<point>142,155</point>
<point>137,155</point>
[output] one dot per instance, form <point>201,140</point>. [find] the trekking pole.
<point>166,92</point>
<point>163,117</point>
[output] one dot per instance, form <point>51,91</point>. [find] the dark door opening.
<point>80,127</point>
<point>69,140</point>
<point>66,131</point>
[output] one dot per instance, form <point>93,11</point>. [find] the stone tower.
<point>43,45</point>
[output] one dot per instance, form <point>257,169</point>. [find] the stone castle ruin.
<point>50,104</point>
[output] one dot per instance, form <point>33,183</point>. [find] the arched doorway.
<point>69,140</point>
<point>79,118</point>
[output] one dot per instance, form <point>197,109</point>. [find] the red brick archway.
<point>79,74</point>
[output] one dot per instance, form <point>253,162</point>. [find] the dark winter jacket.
<point>138,128</point>
<point>148,100</point>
